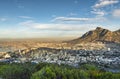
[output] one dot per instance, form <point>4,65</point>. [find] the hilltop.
<point>98,35</point>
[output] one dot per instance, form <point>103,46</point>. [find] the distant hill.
<point>99,34</point>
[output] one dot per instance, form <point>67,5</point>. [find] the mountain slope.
<point>99,34</point>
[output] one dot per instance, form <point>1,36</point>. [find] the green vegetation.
<point>53,71</point>
<point>16,71</point>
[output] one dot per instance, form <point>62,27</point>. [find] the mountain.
<point>99,34</point>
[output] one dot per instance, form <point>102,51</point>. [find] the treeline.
<point>53,71</point>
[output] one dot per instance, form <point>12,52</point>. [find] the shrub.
<point>15,71</point>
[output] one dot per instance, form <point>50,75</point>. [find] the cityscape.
<point>59,39</point>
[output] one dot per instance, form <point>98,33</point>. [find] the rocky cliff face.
<point>99,34</point>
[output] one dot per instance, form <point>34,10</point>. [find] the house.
<point>7,56</point>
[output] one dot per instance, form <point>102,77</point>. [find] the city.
<point>59,39</point>
<point>74,56</point>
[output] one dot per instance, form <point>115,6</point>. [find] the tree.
<point>14,71</point>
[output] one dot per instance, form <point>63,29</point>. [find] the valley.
<point>103,53</point>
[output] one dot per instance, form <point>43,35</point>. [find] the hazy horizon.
<point>40,38</point>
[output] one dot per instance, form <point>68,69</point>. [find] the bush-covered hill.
<point>53,71</point>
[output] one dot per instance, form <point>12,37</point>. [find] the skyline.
<point>56,18</point>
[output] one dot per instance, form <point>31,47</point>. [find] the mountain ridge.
<point>98,35</point>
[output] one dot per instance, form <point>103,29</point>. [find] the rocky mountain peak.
<point>99,28</point>
<point>99,34</point>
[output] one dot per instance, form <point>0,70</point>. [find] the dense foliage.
<point>53,71</point>
<point>16,71</point>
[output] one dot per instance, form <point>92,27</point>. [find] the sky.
<point>56,18</point>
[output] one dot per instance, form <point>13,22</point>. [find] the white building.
<point>7,56</point>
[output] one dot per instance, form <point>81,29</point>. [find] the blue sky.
<point>56,18</point>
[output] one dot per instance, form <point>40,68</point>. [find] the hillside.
<point>99,34</point>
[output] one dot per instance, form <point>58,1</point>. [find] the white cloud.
<point>57,27</point>
<point>35,29</point>
<point>116,13</point>
<point>25,17</point>
<point>26,23</point>
<point>73,19</point>
<point>3,19</point>
<point>98,13</point>
<point>70,19</point>
<point>100,4</point>
<point>103,3</point>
